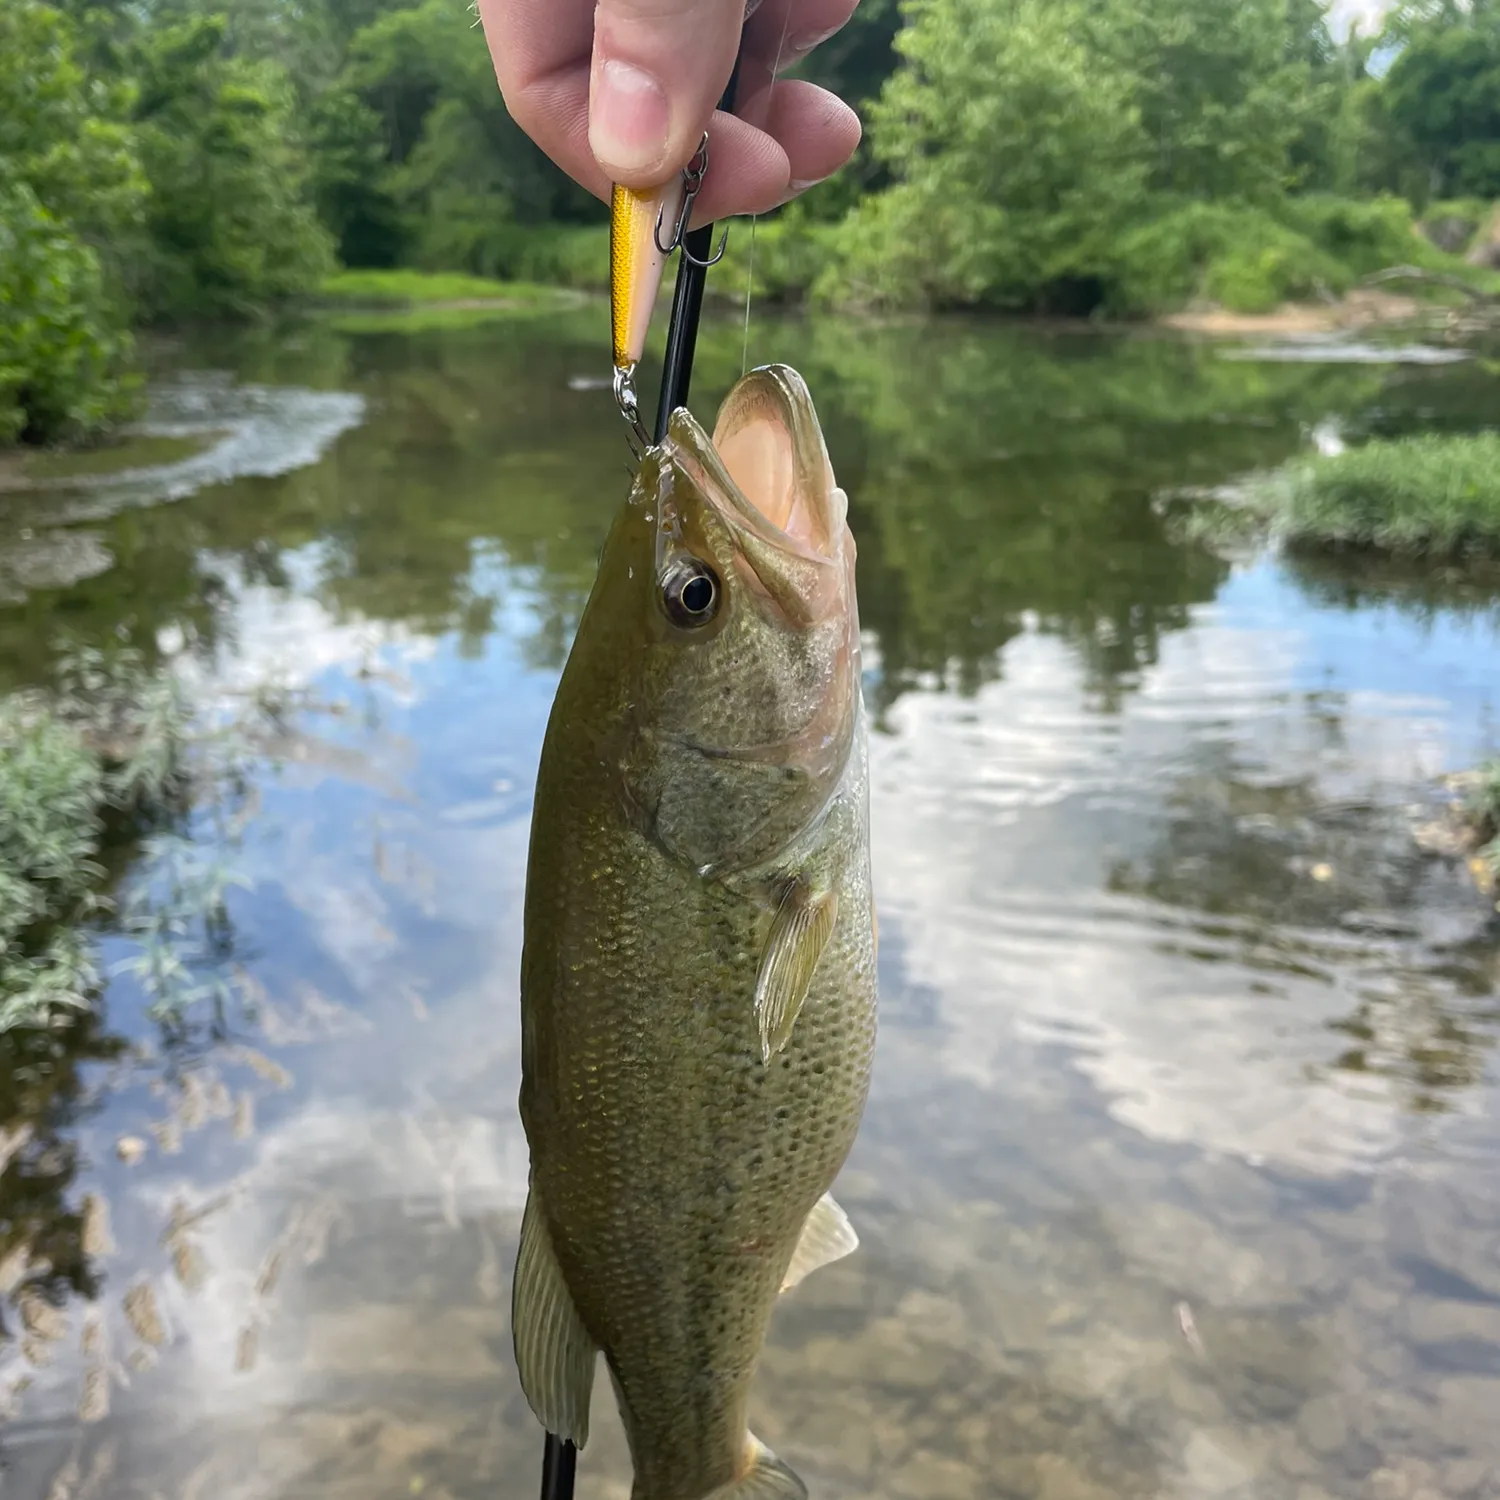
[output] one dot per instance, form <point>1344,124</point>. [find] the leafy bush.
<point>66,135</point>
<point>777,258</point>
<point>109,739</point>
<point>51,797</point>
<point>63,356</point>
<point>570,255</point>
<point>1235,255</point>
<point>1451,225</point>
<point>232,224</point>
<point>1015,195</point>
<point>1363,237</point>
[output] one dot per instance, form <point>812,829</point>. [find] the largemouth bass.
<point>698,970</point>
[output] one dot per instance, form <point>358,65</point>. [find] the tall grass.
<point>1433,497</point>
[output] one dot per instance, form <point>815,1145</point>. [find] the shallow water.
<point>1177,1179</point>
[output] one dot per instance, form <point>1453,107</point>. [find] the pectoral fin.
<point>766,1479</point>
<point>553,1349</point>
<point>827,1236</point>
<point>799,934</point>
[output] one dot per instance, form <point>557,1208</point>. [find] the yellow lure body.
<point>639,223</point>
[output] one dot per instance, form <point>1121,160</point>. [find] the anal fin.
<point>827,1236</point>
<point>798,936</point>
<point>554,1352</point>
<point>767,1479</point>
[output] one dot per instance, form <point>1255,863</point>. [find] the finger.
<point>807,135</point>
<point>659,68</point>
<point>783,32</point>
<point>540,50</point>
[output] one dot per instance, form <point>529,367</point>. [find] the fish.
<point>698,968</point>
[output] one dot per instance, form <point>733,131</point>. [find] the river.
<point>1178,1178</point>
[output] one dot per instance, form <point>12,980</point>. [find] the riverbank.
<point>437,293</point>
<point>1363,308</point>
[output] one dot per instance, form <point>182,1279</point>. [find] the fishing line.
<point>786,21</point>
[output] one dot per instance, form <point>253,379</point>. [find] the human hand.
<point>623,93</point>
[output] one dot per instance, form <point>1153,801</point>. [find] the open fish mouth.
<point>766,469</point>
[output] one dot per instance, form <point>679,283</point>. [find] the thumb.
<point>659,68</point>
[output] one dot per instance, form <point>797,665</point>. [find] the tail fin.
<point>768,1479</point>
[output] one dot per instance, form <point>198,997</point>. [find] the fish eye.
<point>690,593</point>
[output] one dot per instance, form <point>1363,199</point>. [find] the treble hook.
<point>713,259</point>
<point>692,177</point>
<point>692,182</point>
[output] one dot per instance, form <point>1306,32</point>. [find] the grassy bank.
<point>400,289</point>
<point>1242,258</point>
<point>1431,497</point>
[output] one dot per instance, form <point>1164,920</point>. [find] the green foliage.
<point>71,193</point>
<point>63,133</point>
<point>854,63</point>
<point>461,174</point>
<point>62,355</point>
<point>414,288</point>
<point>191,159</point>
<point>1251,259</point>
<point>231,219</point>
<point>1223,89</point>
<point>1363,236</point>
<point>346,144</point>
<point>110,739</point>
<point>1442,94</point>
<point>1238,256</point>
<point>778,258</point>
<point>1132,156</point>
<point>1016,161</point>
<point>1431,496</point>
<point>1452,223</point>
<point>111,757</point>
<point>570,255</point>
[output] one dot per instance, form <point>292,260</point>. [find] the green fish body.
<point>698,976</point>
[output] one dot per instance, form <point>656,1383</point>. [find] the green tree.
<point>1224,89</point>
<point>465,176</point>
<point>71,196</point>
<point>64,358</point>
<point>63,132</point>
<point>1016,157</point>
<point>854,63</point>
<point>1442,95</point>
<point>231,218</point>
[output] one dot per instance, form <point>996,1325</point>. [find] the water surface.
<point>1177,1177</point>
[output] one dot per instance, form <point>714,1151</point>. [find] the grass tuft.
<point>1434,497</point>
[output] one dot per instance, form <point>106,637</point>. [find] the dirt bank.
<point>1362,308</point>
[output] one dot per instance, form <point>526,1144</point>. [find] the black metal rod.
<point>559,1469</point>
<point>560,1458</point>
<point>687,304</point>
